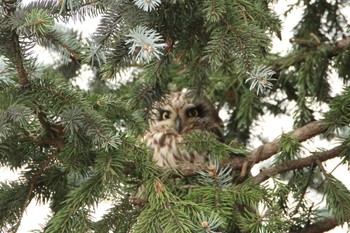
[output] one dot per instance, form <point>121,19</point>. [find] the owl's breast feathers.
<point>167,150</point>
<point>179,114</point>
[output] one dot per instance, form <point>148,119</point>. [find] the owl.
<point>176,115</point>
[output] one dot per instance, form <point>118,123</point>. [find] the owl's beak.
<point>178,124</point>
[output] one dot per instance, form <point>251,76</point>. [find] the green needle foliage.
<point>74,149</point>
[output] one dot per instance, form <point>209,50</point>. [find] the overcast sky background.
<point>269,127</point>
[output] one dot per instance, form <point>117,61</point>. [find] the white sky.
<point>269,127</point>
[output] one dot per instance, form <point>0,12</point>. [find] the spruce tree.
<point>75,148</point>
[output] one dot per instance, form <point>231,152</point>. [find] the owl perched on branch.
<point>176,115</point>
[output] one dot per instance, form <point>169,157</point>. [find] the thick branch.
<point>262,153</point>
<point>319,227</point>
<point>295,164</point>
<point>301,134</point>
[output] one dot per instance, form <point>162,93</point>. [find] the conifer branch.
<point>301,134</point>
<point>25,204</point>
<point>260,154</point>
<point>57,143</point>
<point>74,54</point>
<point>32,183</point>
<point>54,132</point>
<point>320,226</point>
<point>18,61</point>
<point>298,163</point>
<point>172,213</point>
<point>334,48</point>
<point>17,58</point>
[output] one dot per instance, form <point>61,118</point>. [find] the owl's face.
<point>180,113</point>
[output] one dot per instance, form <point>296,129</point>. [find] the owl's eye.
<point>164,115</point>
<point>193,112</point>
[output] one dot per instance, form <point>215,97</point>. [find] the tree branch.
<point>334,48</point>
<point>22,73</point>
<point>260,154</point>
<point>319,227</point>
<point>17,57</point>
<point>32,183</point>
<point>295,164</point>
<point>301,134</point>
<point>48,141</point>
<point>74,54</point>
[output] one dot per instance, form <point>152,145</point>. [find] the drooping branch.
<point>319,227</point>
<point>261,153</point>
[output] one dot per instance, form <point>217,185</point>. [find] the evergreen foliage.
<point>75,148</point>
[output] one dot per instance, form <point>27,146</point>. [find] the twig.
<point>74,54</point>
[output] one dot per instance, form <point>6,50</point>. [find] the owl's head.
<point>180,112</point>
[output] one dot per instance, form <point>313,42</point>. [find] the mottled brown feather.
<point>163,136</point>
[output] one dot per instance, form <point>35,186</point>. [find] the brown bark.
<point>319,227</point>
<point>261,153</point>
<point>302,134</point>
<point>295,164</point>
